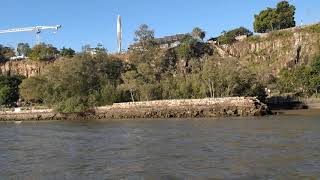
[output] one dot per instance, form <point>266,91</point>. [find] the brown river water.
<point>286,146</point>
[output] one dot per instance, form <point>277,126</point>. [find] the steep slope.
<point>267,54</point>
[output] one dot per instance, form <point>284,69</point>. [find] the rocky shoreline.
<point>186,108</point>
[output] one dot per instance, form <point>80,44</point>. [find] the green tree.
<point>285,13</point>
<point>43,52</point>
<point>67,52</point>
<point>6,53</point>
<point>281,17</point>
<point>144,36</point>
<point>198,33</point>
<point>192,48</point>
<point>23,49</point>
<point>229,37</point>
<point>73,85</point>
<point>131,82</point>
<point>9,90</point>
<point>31,89</point>
<point>144,33</point>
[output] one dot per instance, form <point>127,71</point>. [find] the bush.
<point>230,36</point>
<point>9,90</point>
<point>43,52</point>
<point>73,85</point>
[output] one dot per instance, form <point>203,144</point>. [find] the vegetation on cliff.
<point>281,17</point>
<point>9,90</point>
<point>187,71</point>
<point>229,37</point>
<point>192,69</point>
<point>303,80</point>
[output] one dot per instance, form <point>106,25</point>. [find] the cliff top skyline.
<point>93,22</point>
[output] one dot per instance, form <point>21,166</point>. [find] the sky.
<point>94,21</point>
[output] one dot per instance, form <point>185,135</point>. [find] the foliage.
<point>303,79</point>
<point>281,17</point>
<point>31,89</point>
<point>23,49</point>
<point>75,85</point>
<point>6,53</point>
<point>67,52</point>
<point>192,48</point>
<point>144,35</point>
<point>198,33</point>
<point>230,36</point>
<point>9,90</point>
<point>313,28</point>
<point>43,52</point>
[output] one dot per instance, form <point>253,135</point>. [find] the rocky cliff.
<point>25,68</point>
<point>267,54</point>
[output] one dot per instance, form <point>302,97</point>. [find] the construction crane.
<point>36,29</point>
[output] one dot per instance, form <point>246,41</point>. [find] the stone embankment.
<point>186,108</point>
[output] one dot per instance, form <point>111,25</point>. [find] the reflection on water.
<point>273,147</point>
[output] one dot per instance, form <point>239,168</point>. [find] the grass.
<point>312,29</point>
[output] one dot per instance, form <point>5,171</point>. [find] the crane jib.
<point>36,29</point>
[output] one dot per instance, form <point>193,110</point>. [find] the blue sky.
<point>94,21</point>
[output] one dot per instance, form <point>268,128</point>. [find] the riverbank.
<point>185,108</point>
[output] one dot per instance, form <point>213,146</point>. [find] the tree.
<point>131,83</point>
<point>67,52</point>
<point>9,90</point>
<point>192,48</point>
<point>281,17</point>
<point>144,35</point>
<point>198,33</point>
<point>229,37</point>
<point>285,13</point>
<point>6,53</point>
<point>31,89</point>
<point>43,52</point>
<point>73,85</point>
<point>23,49</point>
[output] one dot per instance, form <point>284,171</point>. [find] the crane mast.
<point>36,29</point>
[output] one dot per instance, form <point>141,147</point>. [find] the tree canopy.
<point>6,53</point>
<point>229,37</point>
<point>43,52</point>
<point>9,90</point>
<point>76,84</point>
<point>67,52</point>
<point>270,19</point>
<point>23,49</point>
<point>198,33</point>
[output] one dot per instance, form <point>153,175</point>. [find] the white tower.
<point>119,33</point>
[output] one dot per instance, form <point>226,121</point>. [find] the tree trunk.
<point>131,93</point>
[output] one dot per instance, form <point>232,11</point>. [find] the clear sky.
<point>94,21</point>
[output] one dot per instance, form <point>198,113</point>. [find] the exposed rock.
<point>25,68</point>
<point>271,52</point>
<point>186,108</point>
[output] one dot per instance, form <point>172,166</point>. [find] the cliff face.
<point>267,54</point>
<point>25,68</point>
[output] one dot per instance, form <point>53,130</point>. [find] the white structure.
<point>36,29</point>
<point>119,33</point>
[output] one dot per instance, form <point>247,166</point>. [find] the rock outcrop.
<point>269,53</point>
<point>25,68</point>
<point>186,108</point>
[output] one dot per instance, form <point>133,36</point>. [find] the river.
<point>273,147</point>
